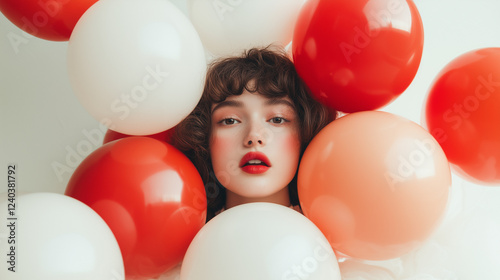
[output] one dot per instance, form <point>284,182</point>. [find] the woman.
<point>248,132</point>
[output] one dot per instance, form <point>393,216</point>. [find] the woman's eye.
<point>278,120</point>
<point>228,121</point>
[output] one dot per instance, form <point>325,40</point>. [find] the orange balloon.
<point>375,184</point>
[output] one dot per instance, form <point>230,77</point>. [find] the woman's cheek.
<point>221,151</point>
<point>291,144</point>
<point>288,149</point>
<point>219,146</point>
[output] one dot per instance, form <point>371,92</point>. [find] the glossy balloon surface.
<point>53,236</point>
<point>358,55</point>
<point>375,183</point>
<point>52,20</point>
<point>151,196</point>
<point>262,241</point>
<point>463,113</point>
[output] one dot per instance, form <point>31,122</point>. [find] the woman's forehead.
<point>253,98</point>
<point>258,94</point>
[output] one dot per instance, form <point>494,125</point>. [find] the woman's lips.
<point>255,163</point>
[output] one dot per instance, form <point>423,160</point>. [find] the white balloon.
<point>260,241</point>
<point>137,66</point>
<point>56,237</point>
<point>227,27</point>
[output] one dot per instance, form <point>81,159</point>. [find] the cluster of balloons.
<point>138,67</point>
<point>372,185</point>
<point>377,185</point>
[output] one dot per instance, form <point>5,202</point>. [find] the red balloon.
<point>358,55</point>
<point>164,136</point>
<point>150,195</point>
<point>463,114</point>
<point>46,19</point>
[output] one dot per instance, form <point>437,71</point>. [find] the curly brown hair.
<point>267,71</point>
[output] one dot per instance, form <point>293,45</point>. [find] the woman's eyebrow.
<point>227,103</point>
<point>280,101</point>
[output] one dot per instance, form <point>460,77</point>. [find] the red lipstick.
<point>255,163</point>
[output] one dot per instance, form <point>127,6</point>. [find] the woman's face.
<point>254,144</point>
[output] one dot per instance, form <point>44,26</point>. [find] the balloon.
<point>260,241</point>
<point>52,236</point>
<point>462,113</point>
<point>375,184</point>
<point>228,27</point>
<point>112,135</point>
<point>139,73</point>
<point>50,20</point>
<point>358,55</point>
<point>151,196</point>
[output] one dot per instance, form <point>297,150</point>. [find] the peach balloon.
<point>375,183</point>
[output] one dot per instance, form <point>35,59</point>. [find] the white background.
<point>42,125</point>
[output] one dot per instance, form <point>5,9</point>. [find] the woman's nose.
<point>255,136</point>
<point>251,142</point>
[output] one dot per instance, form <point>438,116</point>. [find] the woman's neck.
<point>281,197</point>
